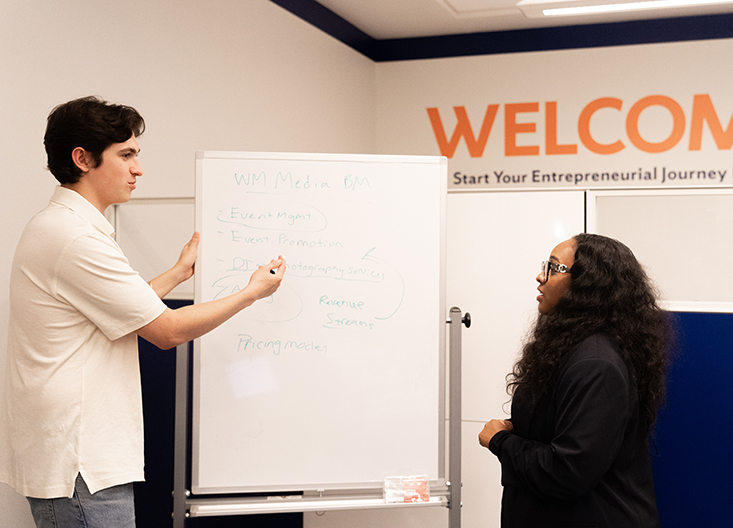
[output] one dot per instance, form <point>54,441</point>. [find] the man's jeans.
<point>108,508</point>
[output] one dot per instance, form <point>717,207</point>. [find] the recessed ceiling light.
<point>538,8</point>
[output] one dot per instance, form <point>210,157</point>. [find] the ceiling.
<point>392,19</point>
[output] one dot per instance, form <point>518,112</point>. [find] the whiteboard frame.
<point>446,495</point>
<point>368,488</point>
<point>592,227</point>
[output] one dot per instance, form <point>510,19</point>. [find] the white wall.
<point>216,75</point>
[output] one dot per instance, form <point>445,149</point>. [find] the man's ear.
<point>83,159</point>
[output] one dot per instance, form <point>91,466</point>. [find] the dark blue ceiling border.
<point>543,39</point>
<point>329,22</point>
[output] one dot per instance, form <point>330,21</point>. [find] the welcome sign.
<point>644,116</point>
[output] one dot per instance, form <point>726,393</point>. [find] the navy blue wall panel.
<point>693,467</point>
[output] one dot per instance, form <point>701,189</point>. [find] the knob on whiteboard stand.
<point>456,322</point>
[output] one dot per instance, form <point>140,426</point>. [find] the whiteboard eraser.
<point>406,489</point>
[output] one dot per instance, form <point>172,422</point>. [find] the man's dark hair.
<point>90,123</point>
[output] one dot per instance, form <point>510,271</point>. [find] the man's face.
<point>116,176</point>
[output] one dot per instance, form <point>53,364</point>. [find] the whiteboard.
<point>682,237</point>
<point>335,381</point>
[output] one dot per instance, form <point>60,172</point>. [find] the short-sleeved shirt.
<point>72,400</point>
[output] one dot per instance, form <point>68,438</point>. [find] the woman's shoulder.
<point>595,350</point>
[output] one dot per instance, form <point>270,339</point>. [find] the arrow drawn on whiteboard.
<point>369,256</point>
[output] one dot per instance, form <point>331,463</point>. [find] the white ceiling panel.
<point>389,19</point>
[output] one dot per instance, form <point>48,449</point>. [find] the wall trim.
<point>653,31</point>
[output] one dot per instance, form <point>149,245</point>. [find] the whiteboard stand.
<point>184,506</point>
<point>180,449</point>
<point>454,430</point>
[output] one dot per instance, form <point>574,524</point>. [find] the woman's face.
<point>554,286</point>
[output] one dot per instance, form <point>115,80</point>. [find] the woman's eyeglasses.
<point>552,267</point>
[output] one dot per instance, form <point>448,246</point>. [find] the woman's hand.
<point>491,428</point>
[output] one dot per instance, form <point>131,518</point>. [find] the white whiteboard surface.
<point>334,381</point>
<point>682,237</point>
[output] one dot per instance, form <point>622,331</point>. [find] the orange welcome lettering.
<point>703,112</point>
<point>551,146</point>
<point>584,126</point>
<point>512,128</point>
<point>463,129</point>
<point>678,123</point>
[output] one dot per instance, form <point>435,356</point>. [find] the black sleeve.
<point>592,402</point>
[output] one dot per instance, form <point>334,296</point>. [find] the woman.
<point>585,395</point>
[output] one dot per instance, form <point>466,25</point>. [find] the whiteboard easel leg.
<point>454,431</point>
<point>181,438</point>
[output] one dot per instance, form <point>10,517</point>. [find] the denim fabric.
<point>108,508</point>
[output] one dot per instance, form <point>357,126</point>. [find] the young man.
<point>71,435</point>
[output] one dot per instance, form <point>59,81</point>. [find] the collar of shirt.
<point>81,206</point>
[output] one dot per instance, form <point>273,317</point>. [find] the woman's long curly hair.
<point>610,294</point>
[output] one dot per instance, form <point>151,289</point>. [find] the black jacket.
<point>581,457</point>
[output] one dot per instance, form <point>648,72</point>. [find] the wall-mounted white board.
<point>681,236</point>
<point>336,380</point>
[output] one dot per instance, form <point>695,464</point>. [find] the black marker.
<point>273,270</point>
